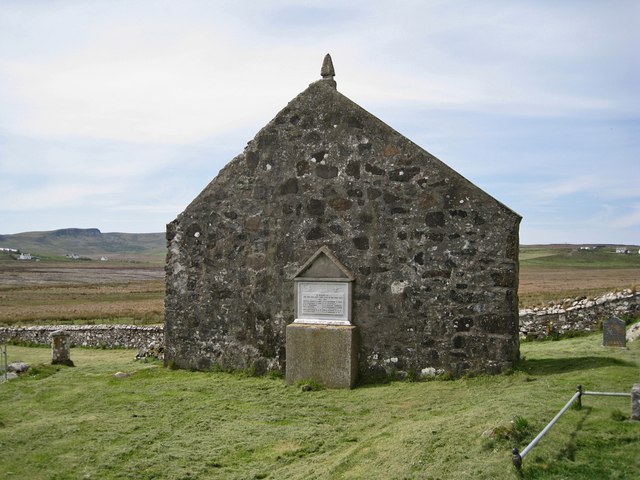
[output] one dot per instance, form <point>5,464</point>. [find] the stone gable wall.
<point>435,259</point>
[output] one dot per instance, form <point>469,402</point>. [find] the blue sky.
<point>116,114</point>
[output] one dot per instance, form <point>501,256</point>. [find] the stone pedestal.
<point>327,354</point>
<point>60,348</point>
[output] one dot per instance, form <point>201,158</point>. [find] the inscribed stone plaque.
<point>322,302</point>
<point>321,341</point>
<point>614,333</point>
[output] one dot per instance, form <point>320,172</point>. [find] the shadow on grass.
<point>540,468</point>
<point>551,366</point>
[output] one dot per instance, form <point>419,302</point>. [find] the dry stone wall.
<point>101,336</point>
<point>577,315</point>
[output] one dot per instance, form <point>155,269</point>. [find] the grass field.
<point>553,273</point>
<point>572,257</point>
<point>84,423</point>
<point>81,292</point>
<point>140,302</point>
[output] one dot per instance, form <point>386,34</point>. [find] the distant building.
<point>25,256</point>
<point>104,259</point>
<point>622,250</point>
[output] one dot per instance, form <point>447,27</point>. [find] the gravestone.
<point>635,402</point>
<point>614,333</point>
<point>321,343</point>
<point>60,348</point>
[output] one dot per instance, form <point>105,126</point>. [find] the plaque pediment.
<point>324,265</point>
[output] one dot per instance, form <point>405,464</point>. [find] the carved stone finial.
<point>327,67</point>
<point>327,71</point>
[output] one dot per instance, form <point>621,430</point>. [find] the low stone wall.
<point>101,336</point>
<point>577,315</point>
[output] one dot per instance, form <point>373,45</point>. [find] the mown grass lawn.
<point>83,422</point>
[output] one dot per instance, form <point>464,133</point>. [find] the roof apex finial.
<point>327,71</point>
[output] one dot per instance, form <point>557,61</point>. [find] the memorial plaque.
<point>323,302</point>
<point>614,333</point>
<point>322,344</point>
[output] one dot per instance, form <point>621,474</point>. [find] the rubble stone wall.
<point>435,259</point>
<point>577,315</point>
<point>101,336</point>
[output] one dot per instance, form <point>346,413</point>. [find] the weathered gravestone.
<point>635,402</point>
<point>60,348</point>
<point>614,333</point>
<point>321,343</point>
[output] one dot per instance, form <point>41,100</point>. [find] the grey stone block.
<point>327,354</point>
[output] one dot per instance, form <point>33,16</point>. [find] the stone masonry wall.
<point>103,336</point>
<point>577,315</point>
<point>435,258</point>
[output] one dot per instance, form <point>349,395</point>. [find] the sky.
<point>115,114</point>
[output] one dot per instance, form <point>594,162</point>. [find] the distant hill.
<point>88,242</point>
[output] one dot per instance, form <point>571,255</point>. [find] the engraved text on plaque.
<point>323,302</point>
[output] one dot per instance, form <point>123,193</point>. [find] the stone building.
<point>434,258</point>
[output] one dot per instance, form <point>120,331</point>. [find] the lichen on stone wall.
<point>435,257</point>
<point>101,336</point>
<point>577,315</point>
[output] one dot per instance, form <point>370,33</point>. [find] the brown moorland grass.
<point>49,292</point>
<point>19,274</point>
<point>539,285</point>
<point>555,272</point>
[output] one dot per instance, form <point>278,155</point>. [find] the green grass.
<point>158,423</point>
<point>601,258</point>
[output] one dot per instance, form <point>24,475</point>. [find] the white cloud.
<point>51,197</point>
<point>156,94</point>
<point>178,80</point>
<point>553,191</point>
